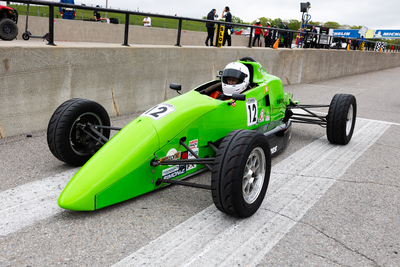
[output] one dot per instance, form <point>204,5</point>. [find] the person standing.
<point>257,33</point>
<point>67,12</point>
<point>267,35</point>
<point>210,26</point>
<point>313,37</point>
<point>228,18</point>
<point>147,21</point>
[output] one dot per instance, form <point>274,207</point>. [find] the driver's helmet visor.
<point>234,74</point>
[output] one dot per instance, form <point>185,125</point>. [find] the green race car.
<point>232,135</point>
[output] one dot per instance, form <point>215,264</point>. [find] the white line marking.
<point>29,203</point>
<point>211,238</point>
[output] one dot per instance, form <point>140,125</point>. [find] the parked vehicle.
<point>8,23</point>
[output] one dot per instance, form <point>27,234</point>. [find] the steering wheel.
<point>247,59</point>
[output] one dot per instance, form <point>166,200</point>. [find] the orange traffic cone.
<point>276,44</point>
<point>348,47</point>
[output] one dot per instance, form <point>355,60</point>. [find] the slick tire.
<point>341,119</point>
<point>241,172</point>
<point>65,138</point>
<point>8,29</point>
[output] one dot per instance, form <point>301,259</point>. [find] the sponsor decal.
<point>172,154</point>
<point>192,146</point>
<point>266,89</point>
<point>262,115</point>
<point>267,118</point>
<point>193,143</point>
<point>173,171</point>
<point>274,149</point>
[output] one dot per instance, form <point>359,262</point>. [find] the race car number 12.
<point>252,111</point>
<point>159,111</point>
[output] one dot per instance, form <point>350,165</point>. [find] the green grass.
<point>43,11</point>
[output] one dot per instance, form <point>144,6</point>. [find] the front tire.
<point>341,119</point>
<point>241,173</point>
<point>8,29</point>
<point>65,136</point>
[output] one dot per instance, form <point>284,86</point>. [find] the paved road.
<point>326,205</point>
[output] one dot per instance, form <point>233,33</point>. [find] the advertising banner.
<point>379,34</point>
<point>387,34</point>
<point>346,33</point>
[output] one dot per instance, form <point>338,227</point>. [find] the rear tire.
<point>341,119</point>
<point>26,36</point>
<point>8,29</point>
<point>241,173</point>
<point>65,138</point>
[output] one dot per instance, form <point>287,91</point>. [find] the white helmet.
<point>235,70</point>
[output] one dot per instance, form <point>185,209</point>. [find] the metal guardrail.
<point>127,13</point>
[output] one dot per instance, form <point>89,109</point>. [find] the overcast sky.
<point>374,14</point>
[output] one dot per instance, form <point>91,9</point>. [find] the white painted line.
<point>212,238</point>
<point>27,204</point>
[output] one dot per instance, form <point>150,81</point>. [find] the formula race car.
<point>233,135</point>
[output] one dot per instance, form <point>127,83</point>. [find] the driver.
<point>235,80</point>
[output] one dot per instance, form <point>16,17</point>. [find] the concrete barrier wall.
<point>35,79</point>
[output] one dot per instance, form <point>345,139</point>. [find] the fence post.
<point>250,37</point>
<point>51,25</point>
<point>126,29</point>
<point>178,41</point>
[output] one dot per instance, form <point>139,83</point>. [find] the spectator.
<point>361,43</point>
<point>313,37</point>
<point>67,12</point>
<point>97,16</point>
<point>288,37</point>
<point>147,21</point>
<point>267,35</point>
<point>257,34</point>
<point>210,26</point>
<point>228,18</point>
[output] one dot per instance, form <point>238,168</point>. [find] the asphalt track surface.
<point>326,205</point>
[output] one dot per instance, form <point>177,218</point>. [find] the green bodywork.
<point>121,169</point>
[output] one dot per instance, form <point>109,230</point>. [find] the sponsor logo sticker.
<point>173,171</point>
<point>262,115</point>
<point>193,146</point>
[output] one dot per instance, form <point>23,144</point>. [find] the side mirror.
<point>176,87</point>
<point>238,97</point>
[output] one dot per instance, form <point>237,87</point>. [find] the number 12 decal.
<point>159,111</point>
<point>252,111</point>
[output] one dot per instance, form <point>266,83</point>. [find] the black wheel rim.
<point>79,140</point>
